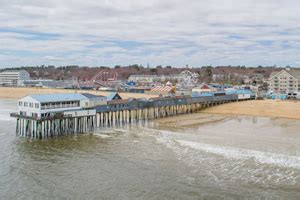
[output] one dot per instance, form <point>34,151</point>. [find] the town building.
<point>203,90</point>
<point>46,105</point>
<point>285,81</point>
<point>138,89</point>
<point>154,78</point>
<point>163,90</point>
<point>13,78</point>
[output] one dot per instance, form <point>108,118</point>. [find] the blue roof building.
<point>42,98</point>
<point>39,105</point>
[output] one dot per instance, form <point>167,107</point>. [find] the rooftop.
<point>43,98</point>
<point>292,71</point>
<point>12,71</point>
<point>91,96</point>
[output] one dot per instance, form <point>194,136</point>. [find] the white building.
<point>154,78</point>
<point>13,78</point>
<point>285,81</point>
<point>44,105</point>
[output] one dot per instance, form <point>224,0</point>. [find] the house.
<point>43,105</point>
<point>13,77</point>
<point>285,81</point>
<point>203,89</point>
<point>154,78</point>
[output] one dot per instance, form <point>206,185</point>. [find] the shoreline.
<point>259,108</point>
<point>256,108</point>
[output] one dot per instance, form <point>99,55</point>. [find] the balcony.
<point>59,106</point>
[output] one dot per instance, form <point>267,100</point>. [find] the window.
<point>25,104</point>
<point>31,105</point>
<point>37,105</point>
<point>20,103</point>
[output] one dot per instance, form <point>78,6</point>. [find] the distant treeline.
<point>207,73</point>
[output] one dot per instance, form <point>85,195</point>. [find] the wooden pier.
<point>118,112</point>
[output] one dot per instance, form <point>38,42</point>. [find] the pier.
<point>112,113</point>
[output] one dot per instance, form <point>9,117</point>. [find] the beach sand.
<point>16,93</point>
<point>260,108</point>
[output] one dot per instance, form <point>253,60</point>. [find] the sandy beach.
<point>260,108</point>
<point>16,93</point>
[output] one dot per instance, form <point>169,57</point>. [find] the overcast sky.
<point>166,32</point>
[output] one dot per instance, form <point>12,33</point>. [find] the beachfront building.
<point>13,77</point>
<point>203,90</point>
<point>285,81</point>
<point>154,78</point>
<point>46,105</point>
<point>163,90</point>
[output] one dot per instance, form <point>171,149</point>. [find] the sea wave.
<point>281,160</point>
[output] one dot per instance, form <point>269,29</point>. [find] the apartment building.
<point>285,81</point>
<point>13,78</point>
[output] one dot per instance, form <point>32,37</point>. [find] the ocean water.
<point>234,158</point>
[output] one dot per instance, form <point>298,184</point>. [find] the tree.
<point>208,74</point>
<point>153,70</point>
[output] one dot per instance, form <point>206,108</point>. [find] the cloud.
<point>169,32</point>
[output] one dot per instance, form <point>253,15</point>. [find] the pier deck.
<point>113,113</point>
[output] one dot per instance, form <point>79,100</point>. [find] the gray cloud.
<point>176,32</point>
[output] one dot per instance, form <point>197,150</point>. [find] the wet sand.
<point>263,108</point>
<point>190,120</point>
<point>16,93</point>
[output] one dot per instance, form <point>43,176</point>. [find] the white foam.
<point>120,130</point>
<point>101,135</point>
<point>281,160</point>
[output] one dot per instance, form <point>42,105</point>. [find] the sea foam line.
<point>281,160</point>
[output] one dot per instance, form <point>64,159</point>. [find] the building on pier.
<point>46,105</point>
<point>114,96</point>
<point>95,100</point>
